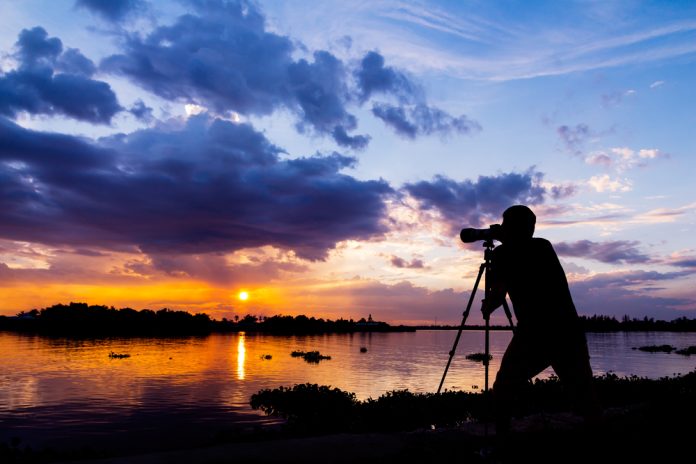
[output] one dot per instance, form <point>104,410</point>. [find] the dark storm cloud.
<point>50,81</point>
<point>469,203</point>
<point>412,121</point>
<point>111,10</point>
<point>222,57</point>
<point>208,186</point>
<point>574,138</point>
<point>613,252</point>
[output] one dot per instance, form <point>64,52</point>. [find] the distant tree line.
<point>96,320</point>
<point>304,324</point>
<point>598,323</point>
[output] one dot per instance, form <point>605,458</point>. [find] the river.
<point>58,389</point>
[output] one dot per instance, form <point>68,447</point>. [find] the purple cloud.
<point>374,77</point>
<point>412,121</point>
<point>613,252</point>
<point>141,111</point>
<point>50,81</point>
<point>574,138</point>
<point>209,186</point>
<point>630,293</point>
<point>558,192</point>
<point>223,57</point>
<point>470,204</point>
<point>684,262</point>
<point>401,263</point>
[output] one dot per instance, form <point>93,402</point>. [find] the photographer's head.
<point>518,224</point>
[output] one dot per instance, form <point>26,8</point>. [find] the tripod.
<point>485,266</point>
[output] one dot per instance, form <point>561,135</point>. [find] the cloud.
<point>49,81</point>
<point>615,98</point>
<point>208,186</point>
<point>471,203</point>
<point>560,191</point>
<point>631,293</point>
<point>404,302</point>
<point>574,138</point>
<point>141,111</point>
<point>214,268</point>
<point>72,61</point>
<point>686,262</point>
<point>402,263</point>
<point>111,10</point>
<point>604,183</point>
<point>356,142</point>
<point>657,84</point>
<point>373,77</point>
<point>420,119</point>
<point>223,58</point>
<point>624,158</point>
<point>613,252</point>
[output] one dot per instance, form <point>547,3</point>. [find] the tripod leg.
<point>461,327</point>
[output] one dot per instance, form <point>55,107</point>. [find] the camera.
<point>494,232</point>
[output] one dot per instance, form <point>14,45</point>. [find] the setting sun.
<point>243,296</point>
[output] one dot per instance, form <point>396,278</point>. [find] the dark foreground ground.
<point>637,434</point>
<point>643,421</point>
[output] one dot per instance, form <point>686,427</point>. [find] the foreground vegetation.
<point>315,408</point>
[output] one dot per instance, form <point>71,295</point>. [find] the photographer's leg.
<point>573,369</point>
<point>522,361</point>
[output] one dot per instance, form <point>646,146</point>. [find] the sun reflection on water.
<point>241,356</point>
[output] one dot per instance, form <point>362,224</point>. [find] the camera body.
<point>494,232</point>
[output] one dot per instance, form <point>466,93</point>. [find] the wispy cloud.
<point>657,84</point>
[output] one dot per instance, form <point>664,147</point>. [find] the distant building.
<point>367,323</point>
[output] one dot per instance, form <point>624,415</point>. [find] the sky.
<point>323,156</point>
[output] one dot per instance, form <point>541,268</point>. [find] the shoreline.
<point>630,433</point>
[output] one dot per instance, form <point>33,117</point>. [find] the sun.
<point>243,296</point>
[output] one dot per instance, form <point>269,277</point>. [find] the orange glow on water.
<point>241,356</point>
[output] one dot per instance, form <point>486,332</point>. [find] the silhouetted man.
<point>548,328</point>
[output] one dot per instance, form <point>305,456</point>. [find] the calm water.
<point>52,389</point>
